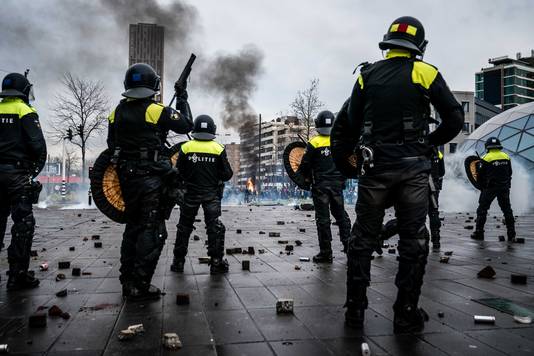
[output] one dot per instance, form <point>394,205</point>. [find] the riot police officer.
<point>22,156</point>
<point>327,188</point>
<point>204,167</point>
<point>388,117</point>
<point>495,177</point>
<point>137,132</point>
<point>437,171</point>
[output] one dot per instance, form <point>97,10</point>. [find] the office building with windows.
<point>147,46</point>
<point>508,83</point>
<point>515,130</point>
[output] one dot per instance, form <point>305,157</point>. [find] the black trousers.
<point>404,187</point>
<point>487,196</point>
<point>211,204</point>
<point>145,232</point>
<point>329,199</point>
<point>433,216</point>
<point>16,200</point>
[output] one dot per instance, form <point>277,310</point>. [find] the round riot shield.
<point>292,158</point>
<point>106,188</point>
<point>471,169</point>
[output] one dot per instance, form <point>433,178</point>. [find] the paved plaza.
<point>236,315</point>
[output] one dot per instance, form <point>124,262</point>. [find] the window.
<point>466,127</point>
<point>281,132</point>
<point>452,147</point>
<point>465,106</point>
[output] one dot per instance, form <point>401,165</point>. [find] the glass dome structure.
<point>515,129</point>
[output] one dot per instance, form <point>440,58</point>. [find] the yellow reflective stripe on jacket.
<point>360,81</point>
<point>196,146</point>
<point>424,74</point>
<point>495,155</point>
<point>393,53</point>
<point>440,155</point>
<point>111,117</point>
<point>153,113</point>
<point>15,106</point>
<point>320,141</point>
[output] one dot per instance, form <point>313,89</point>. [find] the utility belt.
<point>143,155</point>
<point>14,164</point>
<point>366,160</point>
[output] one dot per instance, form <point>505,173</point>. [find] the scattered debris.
<point>280,223</point>
<point>182,299</point>
<point>283,242</point>
<point>55,311</point>
<point>304,259</point>
<point>245,265</point>
<point>37,320</point>
<point>262,232</point>
<point>469,227</point>
<point>203,260</point>
<point>261,251</point>
<point>274,234</point>
<point>4,348</point>
<point>518,278</point>
<point>72,248</point>
<point>251,250</point>
<point>234,250</point>
<point>366,351</point>
<point>60,277</point>
<point>484,319</point>
<point>99,307</point>
<point>196,237</point>
<point>289,247</point>
<point>76,272</point>
<point>238,231</point>
<point>137,328</point>
<point>43,266</point>
<point>198,220</point>
<point>498,226</point>
<point>95,237</point>
<point>284,306</point>
<point>297,267</point>
<point>126,335</point>
<point>33,253</point>
<point>62,293</point>
<point>171,341</point>
<point>98,244</point>
<point>523,319</point>
<point>392,251</point>
<point>444,259</point>
<point>501,238</point>
<point>85,239</point>
<point>85,273</point>
<point>448,253</point>
<point>486,272</point>
<point>519,240</point>
<point>298,242</point>
<point>302,229</point>
<point>441,314</point>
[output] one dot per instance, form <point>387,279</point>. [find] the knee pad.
<point>216,227</point>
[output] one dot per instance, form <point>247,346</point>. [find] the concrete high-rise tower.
<point>147,46</point>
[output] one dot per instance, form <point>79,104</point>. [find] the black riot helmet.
<point>141,81</point>
<point>324,122</point>
<point>407,33</point>
<point>204,128</point>
<point>493,142</point>
<point>16,85</point>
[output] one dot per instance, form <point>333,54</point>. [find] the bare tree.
<point>81,107</point>
<point>71,161</point>
<point>307,104</point>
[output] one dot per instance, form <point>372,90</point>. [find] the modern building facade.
<point>147,46</point>
<point>515,130</point>
<point>476,112</point>
<point>268,168</point>
<point>508,83</point>
<point>233,152</point>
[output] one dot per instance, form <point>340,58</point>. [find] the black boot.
<point>177,265</point>
<point>323,257</point>
<point>478,235</point>
<point>218,266</point>
<point>21,280</point>
<point>408,319</point>
<point>141,293</point>
<point>354,316</point>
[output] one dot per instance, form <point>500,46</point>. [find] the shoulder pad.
<point>423,73</point>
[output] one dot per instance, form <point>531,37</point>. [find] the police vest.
<point>496,170</point>
<point>200,163</point>
<point>322,163</point>
<point>136,127</point>
<point>396,104</point>
<point>13,145</point>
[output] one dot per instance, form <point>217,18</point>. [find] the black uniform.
<point>137,130</point>
<point>22,148</point>
<point>437,172</point>
<point>389,110</point>
<point>327,192</point>
<point>204,166</point>
<point>495,175</point>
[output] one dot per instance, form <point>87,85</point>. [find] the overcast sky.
<point>300,40</point>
